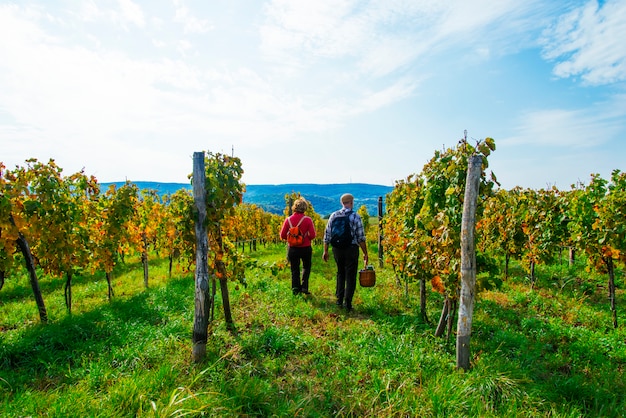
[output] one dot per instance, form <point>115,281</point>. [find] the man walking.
<point>345,233</point>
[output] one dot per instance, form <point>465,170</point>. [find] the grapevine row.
<point>64,225</point>
<point>423,223</point>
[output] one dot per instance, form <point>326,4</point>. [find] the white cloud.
<point>131,12</point>
<point>191,24</point>
<point>122,13</point>
<point>304,32</point>
<point>581,128</point>
<point>378,39</point>
<point>401,89</point>
<point>589,42</point>
<point>88,11</point>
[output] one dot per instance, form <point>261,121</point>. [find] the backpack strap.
<point>350,214</point>
<point>298,225</point>
<point>291,225</point>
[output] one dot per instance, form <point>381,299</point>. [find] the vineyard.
<point>57,229</point>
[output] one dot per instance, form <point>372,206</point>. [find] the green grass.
<point>549,351</point>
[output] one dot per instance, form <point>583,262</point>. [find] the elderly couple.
<point>345,248</point>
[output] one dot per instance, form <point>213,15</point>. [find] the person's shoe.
<point>306,292</point>
<point>348,308</point>
<point>339,303</point>
<point>295,291</point>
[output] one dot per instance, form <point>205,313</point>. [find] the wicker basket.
<point>367,277</point>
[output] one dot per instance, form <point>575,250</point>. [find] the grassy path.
<point>535,354</point>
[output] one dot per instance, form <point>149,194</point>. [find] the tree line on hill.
<point>271,198</point>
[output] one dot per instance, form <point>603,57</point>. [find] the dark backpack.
<point>341,230</point>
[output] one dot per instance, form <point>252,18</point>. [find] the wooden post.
<point>572,255</point>
<point>611,271</point>
<point>144,260</point>
<point>468,262</point>
<point>380,231</point>
<point>202,299</point>
<point>32,274</point>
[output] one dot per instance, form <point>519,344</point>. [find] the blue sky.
<point>325,91</point>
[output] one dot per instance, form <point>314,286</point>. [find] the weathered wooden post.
<point>380,231</point>
<point>22,244</point>
<point>468,262</point>
<point>202,299</point>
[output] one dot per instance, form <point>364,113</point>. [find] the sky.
<point>324,91</point>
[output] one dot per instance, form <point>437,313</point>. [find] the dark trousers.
<point>347,260</point>
<point>295,255</point>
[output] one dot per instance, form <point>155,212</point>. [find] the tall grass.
<point>549,351</point>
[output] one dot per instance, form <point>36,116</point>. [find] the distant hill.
<point>271,198</point>
<point>161,188</point>
<point>323,197</point>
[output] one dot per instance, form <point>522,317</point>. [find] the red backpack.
<point>294,235</point>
